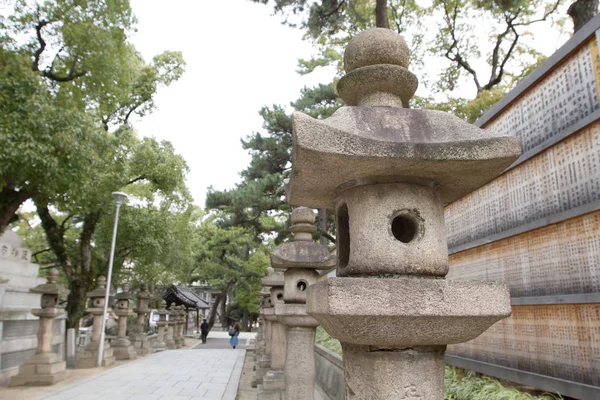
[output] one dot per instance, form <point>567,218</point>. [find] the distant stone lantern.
<point>122,347</point>
<point>87,358</point>
<point>263,353</point>
<point>182,325</point>
<point>388,171</point>
<point>171,324</point>
<point>177,326</point>
<point>273,382</point>
<point>140,341</point>
<point>160,343</point>
<point>300,259</point>
<point>45,367</point>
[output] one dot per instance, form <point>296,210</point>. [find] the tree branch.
<point>54,234</point>
<point>327,235</point>
<point>545,17</point>
<point>38,53</point>
<point>62,225</point>
<point>34,255</point>
<point>139,178</point>
<point>48,72</point>
<point>329,14</point>
<point>456,56</point>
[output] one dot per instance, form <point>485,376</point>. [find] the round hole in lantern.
<point>301,286</point>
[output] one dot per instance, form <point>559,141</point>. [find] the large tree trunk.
<point>80,277</point>
<point>581,12</point>
<point>76,302</point>
<point>213,312</point>
<point>10,201</point>
<point>223,310</point>
<point>245,321</point>
<point>381,16</point>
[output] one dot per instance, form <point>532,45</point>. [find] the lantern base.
<point>41,370</point>
<point>88,357</point>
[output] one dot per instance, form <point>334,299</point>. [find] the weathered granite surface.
<point>387,171</point>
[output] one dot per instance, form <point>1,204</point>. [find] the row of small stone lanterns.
<point>170,328</point>
<point>47,367</point>
<point>387,171</point>
<point>287,331</point>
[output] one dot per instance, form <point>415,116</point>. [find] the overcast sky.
<point>239,58</point>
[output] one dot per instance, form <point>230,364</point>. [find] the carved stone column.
<point>140,341</point>
<point>300,259</point>
<point>88,357</point>
<point>177,326</point>
<point>388,171</point>
<point>172,322</point>
<point>45,367</point>
<point>263,359</point>
<point>160,344</point>
<point>273,385</point>
<point>182,326</point>
<point>122,347</point>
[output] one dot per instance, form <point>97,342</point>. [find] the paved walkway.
<point>168,375</point>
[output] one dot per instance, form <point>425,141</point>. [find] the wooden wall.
<point>537,227</point>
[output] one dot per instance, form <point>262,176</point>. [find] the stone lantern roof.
<point>51,287</point>
<point>384,142</point>
<point>302,252</point>
<point>125,294</point>
<point>273,278</point>
<point>100,289</point>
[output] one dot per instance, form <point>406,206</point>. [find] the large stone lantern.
<point>45,367</point>
<point>388,171</point>
<point>140,341</point>
<point>122,347</point>
<point>300,259</point>
<point>88,357</point>
<point>160,342</point>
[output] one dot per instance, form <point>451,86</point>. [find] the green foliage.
<point>461,384</point>
<point>61,95</point>
<point>446,29</point>
<point>469,110</point>
<point>222,254</point>
<point>258,202</point>
<point>246,289</point>
<point>322,338</point>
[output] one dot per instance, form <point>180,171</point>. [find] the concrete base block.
<point>124,352</point>
<point>88,357</point>
<point>142,345</point>
<point>159,346</point>
<point>264,394</point>
<point>274,380</point>
<point>265,362</point>
<point>40,370</point>
<point>38,380</point>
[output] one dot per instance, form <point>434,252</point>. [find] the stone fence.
<point>330,372</point>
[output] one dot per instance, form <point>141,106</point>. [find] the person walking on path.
<point>203,331</point>
<point>234,333</point>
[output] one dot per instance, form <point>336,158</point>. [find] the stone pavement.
<point>168,375</point>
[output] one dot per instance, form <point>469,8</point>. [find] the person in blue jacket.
<point>234,333</point>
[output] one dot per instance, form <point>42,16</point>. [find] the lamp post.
<point>119,199</point>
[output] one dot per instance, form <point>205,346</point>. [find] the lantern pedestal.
<point>45,367</point>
